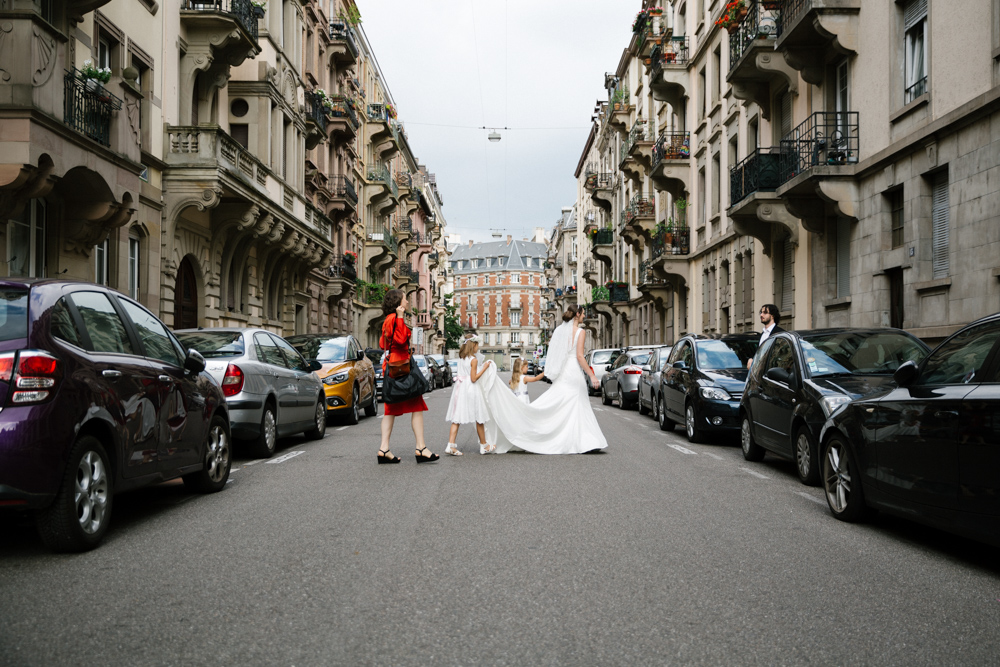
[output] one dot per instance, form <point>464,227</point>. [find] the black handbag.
<point>412,385</point>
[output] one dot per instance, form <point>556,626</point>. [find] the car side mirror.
<point>680,365</point>
<point>313,365</point>
<point>646,368</point>
<point>906,374</point>
<point>778,374</point>
<point>194,362</point>
<point>361,355</point>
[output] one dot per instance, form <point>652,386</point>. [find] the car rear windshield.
<point>439,358</point>
<point>717,355</point>
<point>13,313</point>
<point>860,352</point>
<point>602,357</point>
<point>421,361</point>
<point>641,358</point>
<point>215,343</point>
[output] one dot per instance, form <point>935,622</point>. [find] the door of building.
<point>185,297</point>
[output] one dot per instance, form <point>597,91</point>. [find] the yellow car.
<point>348,375</point>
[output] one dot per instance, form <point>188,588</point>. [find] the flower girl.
<point>518,380</point>
<point>467,404</point>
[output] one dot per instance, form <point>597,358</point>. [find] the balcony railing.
<point>671,240</point>
<point>602,237</point>
<point>343,107</point>
<point>916,90</point>
<point>316,110</point>
<point>757,24</point>
<point>379,173</point>
<point>790,12</point>
<point>377,233</point>
<point>619,292</point>
<point>825,138</point>
<point>675,51</point>
<point>598,181</point>
<point>410,273</point>
<point>241,10</point>
<point>343,269</point>
<point>637,133</point>
<point>342,186</point>
<point>757,172</point>
<point>342,32</point>
<point>672,146</point>
<point>378,112</point>
<point>88,107</point>
<point>589,266</point>
<point>638,207</point>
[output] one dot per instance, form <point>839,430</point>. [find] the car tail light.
<point>36,374</point>
<point>633,370</point>
<point>6,366</point>
<point>232,383</point>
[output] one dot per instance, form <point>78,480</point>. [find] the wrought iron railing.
<point>915,91</point>
<point>342,32</point>
<point>88,107</point>
<point>344,269</point>
<point>343,107</point>
<point>241,10</point>
<point>409,273</point>
<point>637,133</point>
<point>619,292</point>
<point>316,110</point>
<point>672,146</point>
<point>824,138</point>
<point>392,243</point>
<point>671,240</point>
<point>757,172</point>
<point>589,266</point>
<point>598,181</point>
<point>603,237</point>
<point>378,173</point>
<point>790,12</point>
<point>406,226</point>
<point>759,23</point>
<point>377,233</point>
<point>378,112</point>
<point>342,186</point>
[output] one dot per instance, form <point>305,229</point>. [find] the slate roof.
<point>515,253</point>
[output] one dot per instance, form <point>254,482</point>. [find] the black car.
<point>445,369</point>
<point>703,383</point>
<point>929,448</point>
<point>649,382</point>
<point>375,354</point>
<point>439,372</point>
<point>800,378</point>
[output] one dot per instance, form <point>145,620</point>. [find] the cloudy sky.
<point>540,64</point>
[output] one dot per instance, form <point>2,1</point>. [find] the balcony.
<point>590,273</point>
<point>636,153</point>
<point>654,286</point>
<point>637,220</point>
<point>671,170</point>
<point>315,119</point>
<point>378,119</point>
<point>602,245</point>
<point>407,275</point>
<point>811,32</point>
<point>387,145</point>
<point>344,199</point>
<point>342,120</point>
<point>670,251</point>
<point>753,64</point>
<point>648,29</point>
<point>757,172</point>
<point>384,193</point>
<point>601,188</point>
<point>618,292</point>
<point>88,107</point>
<point>619,109</point>
<point>344,50</point>
<point>381,246</point>
<point>668,75</point>
<point>342,276</point>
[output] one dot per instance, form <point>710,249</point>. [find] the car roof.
<point>226,330</point>
<point>314,336</point>
<point>808,333</point>
<point>752,335</point>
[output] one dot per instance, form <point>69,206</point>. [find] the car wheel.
<point>842,483</point>
<point>319,421</point>
<point>666,424</point>
<point>806,462</point>
<point>371,410</point>
<point>218,460</point>
<point>751,450</point>
<point>263,446</point>
<point>655,410</point>
<point>353,413</point>
<point>643,410</point>
<point>694,433</point>
<point>79,516</point>
<point>604,395</point>
<point>622,405</point>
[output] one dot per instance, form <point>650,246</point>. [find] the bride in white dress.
<point>561,420</point>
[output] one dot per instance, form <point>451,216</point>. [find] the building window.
<point>896,217</point>
<point>134,262</point>
<point>26,242</point>
<point>486,338</point>
<point>843,258</point>
<point>486,319</point>
<point>915,49</point>
<point>786,302</point>
<point>515,318</point>
<point>515,278</point>
<point>941,232</point>
<point>515,337</point>
<point>101,262</point>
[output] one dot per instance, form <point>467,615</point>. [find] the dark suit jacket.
<point>776,329</point>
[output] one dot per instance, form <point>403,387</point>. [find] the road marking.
<point>812,498</point>
<point>628,419</point>
<point>644,425</point>
<point>754,473</point>
<point>681,449</point>
<point>714,456</point>
<point>285,457</point>
<point>252,463</point>
<point>598,409</point>
<point>340,428</point>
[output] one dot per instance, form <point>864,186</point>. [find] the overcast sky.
<point>541,64</point>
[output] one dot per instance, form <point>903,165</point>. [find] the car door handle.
<point>111,374</point>
<point>164,378</point>
<point>946,414</point>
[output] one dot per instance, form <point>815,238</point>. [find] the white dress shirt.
<point>766,333</point>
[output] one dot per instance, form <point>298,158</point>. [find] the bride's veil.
<point>559,349</point>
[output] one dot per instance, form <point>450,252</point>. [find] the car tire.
<point>604,395</point>
<point>751,450</point>
<point>655,410</point>
<point>693,431</point>
<point>622,405</point>
<point>80,515</point>
<point>318,431</point>
<point>842,483</point>
<point>267,440</point>
<point>666,423</point>
<point>371,410</point>
<point>806,458</point>
<point>353,415</point>
<point>218,460</point>
<point>643,410</point>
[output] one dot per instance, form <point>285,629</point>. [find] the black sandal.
<point>386,457</point>
<point>425,459</point>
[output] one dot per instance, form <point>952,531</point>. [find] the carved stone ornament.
<point>43,51</point>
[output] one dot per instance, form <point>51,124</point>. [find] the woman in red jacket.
<point>396,339</point>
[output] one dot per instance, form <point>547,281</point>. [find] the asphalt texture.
<point>656,551</point>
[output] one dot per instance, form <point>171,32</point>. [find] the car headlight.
<point>336,378</point>
<point>715,394</point>
<point>831,404</point>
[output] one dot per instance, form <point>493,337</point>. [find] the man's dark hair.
<point>772,310</point>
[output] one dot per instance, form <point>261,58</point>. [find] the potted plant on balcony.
<point>259,7</point>
<point>390,110</point>
<point>732,15</point>
<point>350,256</point>
<point>94,77</point>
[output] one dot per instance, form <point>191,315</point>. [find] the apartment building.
<point>498,293</point>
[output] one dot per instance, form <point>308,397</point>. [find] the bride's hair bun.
<point>570,313</point>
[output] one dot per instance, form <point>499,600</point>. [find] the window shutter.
<point>843,258</point>
<point>941,230</point>
<point>787,281</point>
<point>786,113</point>
<point>915,12</point>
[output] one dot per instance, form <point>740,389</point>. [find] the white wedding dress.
<point>560,421</point>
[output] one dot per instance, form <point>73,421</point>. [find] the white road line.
<point>714,456</point>
<point>341,428</point>
<point>628,419</point>
<point>754,473</point>
<point>680,448</point>
<point>644,425</point>
<point>598,409</point>
<point>252,463</point>
<point>285,457</point>
<point>812,498</point>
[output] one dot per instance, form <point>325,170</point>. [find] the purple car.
<point>98,397</point>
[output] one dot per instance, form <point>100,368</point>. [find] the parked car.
<point>927,449</point>
<point>598,361</point>
<point>445,369</point>
<point>437,372</point>
<point>375,355</point>
<point>431,373</point>
<point>271,390</point>
<point>649,382</point>
<point>453,365</point>
<point>347,371</point>
<point>703,383</point>
<point>621,379</point>
<point>98,397</point>
<point>800,378</point>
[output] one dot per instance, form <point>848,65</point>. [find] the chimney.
<point>508,239</point>
<point>470,243</point>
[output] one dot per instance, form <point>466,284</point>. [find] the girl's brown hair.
<point>515,376</point>
<point>570,313</point>
<point>469,348</point>
<point>391,301</point>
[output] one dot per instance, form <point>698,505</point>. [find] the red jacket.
<point>399,350</point>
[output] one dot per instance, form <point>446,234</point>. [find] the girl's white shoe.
<point>452,449</point>
<point>487,449</point>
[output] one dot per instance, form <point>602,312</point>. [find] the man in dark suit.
<point>769,318</point>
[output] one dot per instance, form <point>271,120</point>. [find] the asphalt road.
<point>654,552</point>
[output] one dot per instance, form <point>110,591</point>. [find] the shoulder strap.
<point>392,339</point>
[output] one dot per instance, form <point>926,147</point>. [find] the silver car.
<point>649,382</point>
<point>598,360</point>
<point>272,392</point>
<point>621,381</point>
<point>425,368</point>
